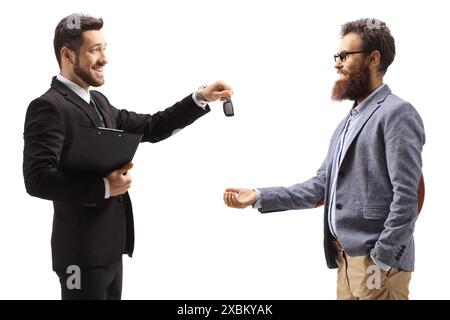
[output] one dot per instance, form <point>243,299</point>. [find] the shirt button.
<point>339,206</point>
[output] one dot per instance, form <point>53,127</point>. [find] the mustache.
<point>343,72</point>
<point>99,64</point>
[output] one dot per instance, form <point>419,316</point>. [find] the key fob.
<point>228,108</point>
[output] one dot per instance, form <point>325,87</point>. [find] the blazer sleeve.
<point>162,124</point>
<point>44,136</point>
<point>404,139</point>
<point>305,195</point>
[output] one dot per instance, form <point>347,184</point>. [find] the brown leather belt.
<point>337,245</point>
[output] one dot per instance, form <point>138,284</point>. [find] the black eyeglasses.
<point>343,55</point>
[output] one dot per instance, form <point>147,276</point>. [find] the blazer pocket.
<point>375,213</point>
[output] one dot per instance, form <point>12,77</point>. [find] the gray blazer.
<point>377,193</point>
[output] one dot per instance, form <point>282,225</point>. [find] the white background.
<point>278,56</point>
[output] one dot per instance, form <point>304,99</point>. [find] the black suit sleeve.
<point>162,124</point>
<point>44,136</point>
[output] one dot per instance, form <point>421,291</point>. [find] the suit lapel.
<point>77,101</point>
<point>374,104</point>
<point>333,144</point>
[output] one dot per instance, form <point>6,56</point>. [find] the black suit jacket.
<point>88,230</point>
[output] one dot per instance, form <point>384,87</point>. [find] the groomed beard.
<point>86,76</point>
<point>353,87</point>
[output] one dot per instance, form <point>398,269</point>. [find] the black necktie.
<point>92,103</point>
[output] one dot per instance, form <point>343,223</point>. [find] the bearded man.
<point>371,179</point>
<point>93,225</point>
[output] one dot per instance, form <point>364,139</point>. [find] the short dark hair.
<point>69,32</point>
<point>375,35</point>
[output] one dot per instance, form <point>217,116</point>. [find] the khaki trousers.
<point>359,278</point>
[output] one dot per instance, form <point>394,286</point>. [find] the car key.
<point>228,108</point>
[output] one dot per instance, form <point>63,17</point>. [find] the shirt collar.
<point>82,93</point>
<point>360,107</point>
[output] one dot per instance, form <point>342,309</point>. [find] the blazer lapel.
<point>374,104</point>
<point>333,143</point>
<point>77,101</point>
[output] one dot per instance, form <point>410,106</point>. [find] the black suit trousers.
<point>97,283</point>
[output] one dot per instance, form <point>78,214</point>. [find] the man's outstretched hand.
<point>239,197</point>
<point>217,90</point>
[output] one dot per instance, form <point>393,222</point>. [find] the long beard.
<point>86,76</point>
<point>354,87</point>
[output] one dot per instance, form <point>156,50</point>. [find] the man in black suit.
<point>93,219</point>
